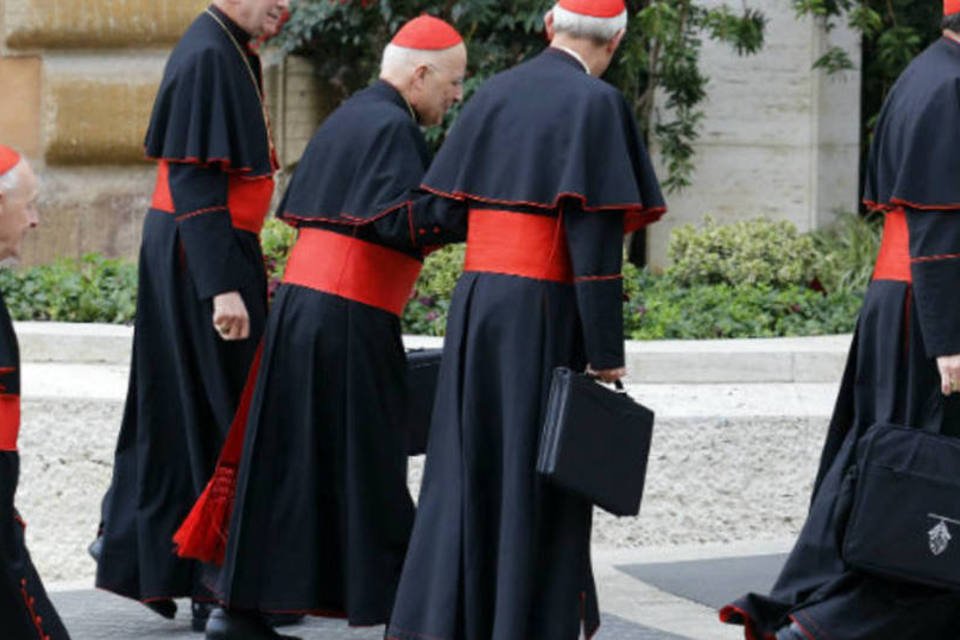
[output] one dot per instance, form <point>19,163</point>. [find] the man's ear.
<point>615,41</point>
<point>548,23</point>
<point>3,200</point>
<point>419,74</point>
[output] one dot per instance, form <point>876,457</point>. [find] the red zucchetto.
<point>951,7</point>
<point>426,33</point>
<point>599,8</point>
<point>8,159</point>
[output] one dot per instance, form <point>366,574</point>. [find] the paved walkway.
<point>651,594</point>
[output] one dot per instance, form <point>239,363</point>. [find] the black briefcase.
<point>423,369</point>
<point>903,521</point>
<point>595,442</point>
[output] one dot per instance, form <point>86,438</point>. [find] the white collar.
<point>576,56</point>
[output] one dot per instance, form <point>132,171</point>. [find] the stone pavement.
<point>652,594</point>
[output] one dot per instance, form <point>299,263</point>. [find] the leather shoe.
<point>200,612</point>
<point>166,608</point>
<point>240,625</point>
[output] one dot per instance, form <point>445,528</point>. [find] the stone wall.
<point>779,139</point>
<point>79,78</point>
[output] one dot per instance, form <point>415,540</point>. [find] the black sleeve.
<point>427,221</point>
<point>595,241</point>
<point>206,232</point>
<point>935,268</point>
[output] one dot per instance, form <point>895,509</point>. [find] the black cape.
<point>25,609</point>
<point>185,381</point>
<point>891,376</point>
<point>588,147</point>
<point>497,553</point>
<point>322,513</point>
<point>207,110</point>
<point>913,160</point>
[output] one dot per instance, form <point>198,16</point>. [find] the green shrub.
<point>846,252</point>
<point>89,289</point>
<point>750,252</point>
<point>426,313</point>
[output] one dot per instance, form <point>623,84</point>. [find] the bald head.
<point>18,208</point>
<point>431,81</point>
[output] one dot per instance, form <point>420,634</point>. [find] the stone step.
<point>817,359</point>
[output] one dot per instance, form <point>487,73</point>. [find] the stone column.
<point>779,139</point>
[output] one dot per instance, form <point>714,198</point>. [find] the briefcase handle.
<point>617,384</point>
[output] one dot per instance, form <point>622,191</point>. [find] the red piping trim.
<point>460,195</point>
<point>5,370</point>
<point>618,276</point>
<point>900,202</point>
<point>30,602</point>
<point>344,218</point>
<point>728,615</point>
<point>944,256</point>
<point>812,622</point>
<point>200,212</point>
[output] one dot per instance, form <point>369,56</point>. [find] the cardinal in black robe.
<point>903,367</point>
<point>26,612</point>
<point>201,303</point>
<point>322,513</point>
<point>549,162</point>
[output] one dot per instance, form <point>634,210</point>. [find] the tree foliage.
<point>893,32</point>
<point>661,52</point>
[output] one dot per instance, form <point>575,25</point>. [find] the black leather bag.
<point>595,442</point>
<point>423,370</point>
<point>904,522</point>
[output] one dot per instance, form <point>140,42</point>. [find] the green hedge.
<point>749,279</point>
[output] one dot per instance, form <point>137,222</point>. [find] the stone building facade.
<point>78,78</point>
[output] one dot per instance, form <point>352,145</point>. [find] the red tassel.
<point>203,534</point>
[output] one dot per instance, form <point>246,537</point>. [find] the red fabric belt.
<point>352,269</point>
<point>9,421</point>
<point>518,244</point>
<point>248,199</point>
<point>893,260</point>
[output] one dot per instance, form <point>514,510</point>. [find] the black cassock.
<point>26,612</point>
<point>322,513</point>
<point>548,160</point>
<point>911,316</point>
<point>210,138</point>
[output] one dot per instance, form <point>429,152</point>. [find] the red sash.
<point>353,269</point>
<point>248,199</point>
<point>893,260</point>
<point>9,421</point>
<point>518,244</point>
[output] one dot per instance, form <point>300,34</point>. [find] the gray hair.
<point>951,22</point>
<point>401,59</point>
<point>10,179</point>
<point>580,26</point>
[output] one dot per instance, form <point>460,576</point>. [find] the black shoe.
<point>240,625</point>
<point>283,619</point>
<point>200,612</point>
<point>96,548</point>
<point>166,608</point>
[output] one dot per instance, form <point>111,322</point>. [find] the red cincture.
<point>9,421</point>
<point>518,244</point>
<point>353,269</point>
<point>893,259</point>
<point>248,199</point>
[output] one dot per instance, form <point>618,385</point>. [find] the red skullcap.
<point>8,159</point>
<point>426,33</point>
<point>602,8</point>
<point>950,7</point>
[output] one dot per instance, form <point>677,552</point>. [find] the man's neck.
<point>585,53</point>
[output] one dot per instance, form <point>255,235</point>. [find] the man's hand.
<point>608,375</point>
<point>230,317</point>
<point>949,367</point>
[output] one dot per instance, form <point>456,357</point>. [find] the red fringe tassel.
<point>203,534</point>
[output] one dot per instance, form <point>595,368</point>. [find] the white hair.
<point>401,59</point>
<point>10,179</point>
<point>581,26</point>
